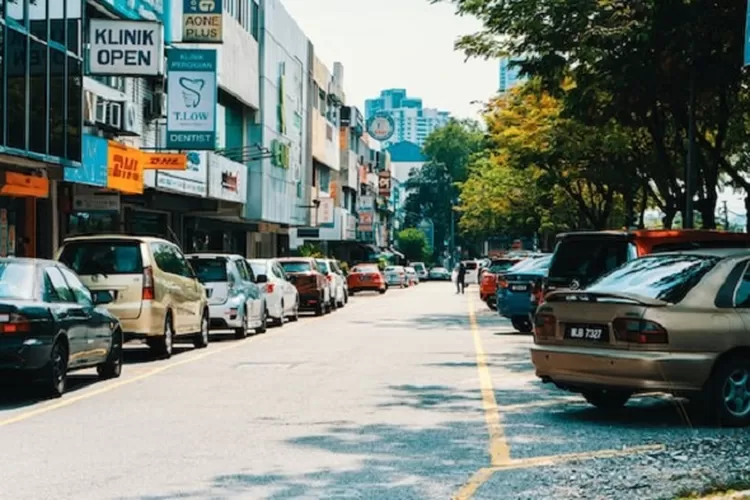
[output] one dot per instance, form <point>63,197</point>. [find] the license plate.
<point>364,278</point>
<point>589,333</point>
<point>519,288</point>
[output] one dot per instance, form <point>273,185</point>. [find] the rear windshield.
<point>418,266</point>
<point>680,246</point>
<point>394,269</point>
<point>587,258</point>
<point>324,267</point>
<point>258,267</point>
<point>103,257</point>
<point>498,266</point>
<point>366,269</point>
<point>210,270</point>
<point>296,266</point>
<point>16,280</point>
<point>533,264</point>
<point>664,277</point>
<point>438,270</point>
<point>471,266</point>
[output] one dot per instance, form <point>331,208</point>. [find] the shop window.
<point>148,223</point>
<point>325,179</point>
<point>74,127</point>
<point>56,102</point>
<point>17,57</point>
<point>92,222</point>
<point>38,97</point>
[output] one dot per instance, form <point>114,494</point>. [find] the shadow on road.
<point>138,354</point>
<point>434,322</point>
<point>20,394</point>
<point>434,397</point>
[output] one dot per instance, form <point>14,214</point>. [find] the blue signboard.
<point>191,99</point>
<point>93,169</point>
<point>747,36</point>
<point>150,10</point>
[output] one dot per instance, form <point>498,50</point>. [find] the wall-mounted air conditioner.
<point>129,118</point>
<point>101,110</point>
<point>114,115</point>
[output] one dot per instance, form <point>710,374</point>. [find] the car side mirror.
<point>102,297</point>
<point>261,278</point>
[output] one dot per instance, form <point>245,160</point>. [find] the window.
<point>57,102</point>
<point>258,267</point>
<point>90,257</point>
<point>165,258</point>
<point>245,273</point>
<point>325,178</point>
<point>183,268</point>
<point>588,258</point>
<point>75,109</point>
<point>38,19</point>
<point>296,266</point>
<point>742,296</point>
<point>279,272</point>
<point>62,293</point>
<point>663,277</point>
<point>210,270</point>
<point>323,267</point>
<point>38,97</point>
<point>80,292</point>
<point>17,88</point>
<point>255,20</point>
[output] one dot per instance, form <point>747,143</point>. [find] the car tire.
<point>263,328</point>
<point>279,322</point>
<point>491,305</point>
<point>333,305</point>
<point>522,325</point>
<point>351,293</point>
<point>342,302</point>
<point>346,296</point>
<point>381,292</point>
<point>606,400</point>
<point>720,387</point>
<point>164,346</point>
<point>55,376</point>
<point>295,315</point>
<point>112,367</point>
<point>320,308</point>
<point>200,340</point>
<point>241,332</point>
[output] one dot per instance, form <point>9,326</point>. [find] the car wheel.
<point>164,345</point>
<point>56,372</point>
<point>342,302</point>
<point>383,291</point>
<point>279,322</point>
<point>263,321</point>
<point>241,332</point>
<point>295,315</point>
<point>728,395</point>
<point>492,305</point>
<point>112,367</point>
<point>320,308</point>
<point>200,340</point>
<point>346,297</point>
<point>606,400</point>
<point>334,303</point>
<point>351,294</point>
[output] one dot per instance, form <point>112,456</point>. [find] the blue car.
<point>516,298</point>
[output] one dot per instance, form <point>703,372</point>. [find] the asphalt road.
<point>415,394</point>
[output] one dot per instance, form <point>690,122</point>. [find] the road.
<point>419,393</point>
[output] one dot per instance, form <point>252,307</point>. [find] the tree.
<point>413,243</point>
<point>633,63</point>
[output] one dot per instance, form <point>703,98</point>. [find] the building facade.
<point>413,122</point>
<point>509,74</point>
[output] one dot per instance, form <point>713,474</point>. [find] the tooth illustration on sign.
<point>191,92</point>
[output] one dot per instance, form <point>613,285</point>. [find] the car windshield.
<point>394,269</point>
<point>663,277</point>
<point>103,257</point>
<point>324,267</point>
<point>498,266</point>
<point>16,280</point>
<point>365,269</point>
<point>532,264</point>
<point>588,258</point>
<point>259,267</point>
<point>419,266</point>
<point>296,266</point>
<point>210,270</point>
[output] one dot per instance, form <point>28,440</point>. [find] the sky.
<point>398,44</point>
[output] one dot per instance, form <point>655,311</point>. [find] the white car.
<point>421,270</point>
<point>396,276</point>
<point>472,272</point>
<point>281,296</point>
<point>235,301</point>
<point>411,275</point>
<point>337,281</point>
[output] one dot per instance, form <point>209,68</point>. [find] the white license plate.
<point>519,288</point>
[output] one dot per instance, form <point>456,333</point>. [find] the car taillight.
<point>544,325</point>
<point>15,323</point>
<point>269,287</point>
<point>148,284</point>
<point>329,277</point>
<point>639,331</point>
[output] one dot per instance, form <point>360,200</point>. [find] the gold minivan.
<point>157,297</point>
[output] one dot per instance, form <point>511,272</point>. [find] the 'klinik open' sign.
<point>130,48</point>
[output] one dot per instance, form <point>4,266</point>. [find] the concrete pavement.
<point>415,394</point>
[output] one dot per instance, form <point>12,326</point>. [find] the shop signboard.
<point>164,161</point>
<point>366,203</point>
<point>192,180</point>
<point>93,169</point>
<point>227,180</point>
<point>17,184</point>
<point>381,126</point>
<point>191,99</point>
<point>202,21</point>
<point>128,48</point>
<point>93,199</point>
<point>326,212</point>
<point>384,183</point>
<point>124,168</point>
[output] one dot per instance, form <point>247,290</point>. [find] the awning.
<point>397,253</point>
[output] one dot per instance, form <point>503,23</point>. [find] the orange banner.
<point>165,161</point>
<point>124,168</point>
<point>25,185</point>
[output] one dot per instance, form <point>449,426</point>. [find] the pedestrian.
<point>461,278</point>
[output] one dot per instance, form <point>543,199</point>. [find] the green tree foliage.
<point>413,243</point>
<point>633,61</point>
<point>310,250</point>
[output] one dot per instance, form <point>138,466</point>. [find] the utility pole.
<point>453,235</point>
<point>691,158</point>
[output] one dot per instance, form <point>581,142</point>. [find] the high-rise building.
<point>509,74</point>
<point>413,122</point>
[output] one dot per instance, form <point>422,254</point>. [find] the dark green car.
<point>50,324</point>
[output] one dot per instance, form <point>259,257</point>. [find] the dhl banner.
<point>124,168</point>
<point>164,161</point>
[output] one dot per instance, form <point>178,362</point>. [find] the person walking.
<point>461,278</point>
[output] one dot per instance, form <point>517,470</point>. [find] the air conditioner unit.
<point>89,107</point>
<point>159,103</point>
<point>129,117</point>
<point>101,110</point>
<point>114,116</point>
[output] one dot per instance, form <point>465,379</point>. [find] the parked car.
<point>337,281</point>
<point>580,258</point>
<point>440,274</point>
<point>421,270</point>
<point>472,272</point>
<point>412,276</point>
<point>366,277</point>
<point>396,276</point>
<point>313,288</point>
<point>156,295</point>
<point>235,302</point>
<point>50,324</point>
<point>282,297</point>
<point>488,281</point>
<point>671,322</point>
<point>519,292</point>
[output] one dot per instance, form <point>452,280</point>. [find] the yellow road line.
<point>474,483</point>
<point>498,446</point>
<point>542,403</point>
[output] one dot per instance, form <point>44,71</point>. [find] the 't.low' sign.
<point>129,48</point>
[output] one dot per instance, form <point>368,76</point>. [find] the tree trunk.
<point>668,218</point>
<point>708,212</point>
<point>747,210</point>
<point>643,208</point>
<point>629,208</point>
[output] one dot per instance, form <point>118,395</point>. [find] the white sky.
<point>398,44</point>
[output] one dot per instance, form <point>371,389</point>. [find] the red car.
<point>366,277</point>
<point>492,278</point>
<point>312,285</point>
